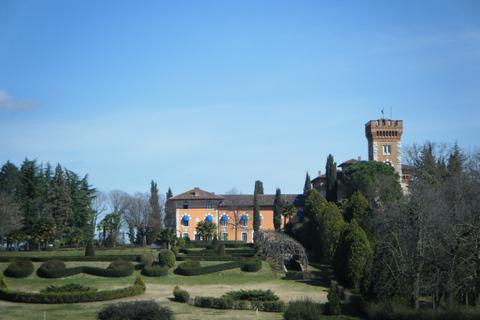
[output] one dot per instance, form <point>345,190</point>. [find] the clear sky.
<point>218,94</point>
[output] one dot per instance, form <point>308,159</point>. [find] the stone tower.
<point>384,142</point>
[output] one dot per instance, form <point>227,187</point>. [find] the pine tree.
<point>30,194</point>
<point>277,210</point>
<point>60,202</point>
<point>331,181</point>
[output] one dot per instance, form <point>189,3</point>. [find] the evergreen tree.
<point>169,219</point>
<point>356,207</point>
<point>331,181</point>
<point>169,193</point>
<point>456,160</point>
<point>334,305</point>
<point>59,202</point>
<point>10,179</point>
<point>277,210</point>
<point>258,187</point>
<point>353,258</point>
<point>30,194</point>
<point>155,221</point>
<point>308,185</point>
<point>256,212</point>
<point>81,195</point>
<point>330,231</point>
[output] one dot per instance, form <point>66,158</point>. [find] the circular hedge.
<point>19,269</point>
<point>166,258</point>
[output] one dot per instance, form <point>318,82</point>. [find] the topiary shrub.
<point>134,310</point>
<point>181,295</point>
<point>69,287</point>
<point>304,309</point>
<point>252,265</point>
<point>166,258</point>
<point>181,242</point>
<point>89,249</point>
<point>155,271</point>
<point>175,250</point>
<point>221,250</point>
<point>146,259</point>
<point>53,265</point>
<point>334,306</point>
<point>253,295</point>
<point>19,269</point>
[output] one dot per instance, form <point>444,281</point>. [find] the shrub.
<point>181,242</point>
<point>304,309</point>
<point>215,241</point>
<point>166,258</point>
<point>146,259</point>
<point>295,275</point>
<point>70,287</point>
<point>140,309</point>
<point>252,295</point>
<point>221,250</point>
<point>19,269</point>
<point>175,250</point>
<point>89,249</point>
<point>181,295</point>
<point>334,306</point>
<point>155,271</point>
<point>204,302</point>
<point>273,306</point>
<point>54,265</point>
<point>252,265</point>
<point>189,269</point>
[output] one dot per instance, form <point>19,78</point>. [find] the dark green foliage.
<point>308,185</point>
<point>175,250</point>
<point>221,250</point>
<point>166,258</point>
<point>146,259</point>
<point>258,187</point>
<point>295,275</point>
<point>353,258</point>
<point>256,213</point>
<point>304,309</point>
<point>229,302</point>
<point>155,219</point>
<point>54,265</point>
<point>69,287</point>
<point>89,249</point>
<point>19,269</point>
<point>253,295</point>
<point>135,310</point>
<point>334,305</point>
<point>252,265</point>
<point>72,297</point>
<point>273,306</point>
<point>215,241</point>
<point>167,236</point>
<point>356,207</point>
<point>189,269</point>
<point>331,180</point>
<point>57,269</point>
<point>277,209</point>
<point>155,271</point>
<point>181,295</point>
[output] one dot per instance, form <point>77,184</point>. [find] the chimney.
<point>359,158</point>
<point>319,173</point>
<point>197,192</point>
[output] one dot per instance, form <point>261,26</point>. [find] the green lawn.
<point>160,289</point>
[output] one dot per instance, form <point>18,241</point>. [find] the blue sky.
<point>218,94</point>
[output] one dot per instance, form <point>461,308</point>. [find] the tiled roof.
<point>195,194</point>
<point>348,162</point>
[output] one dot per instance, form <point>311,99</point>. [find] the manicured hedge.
<point>127,257</point>
<point>19,269</point>
<point>204,258</point>
<point>225,302</point>
<point>73,297</point>
<point>187,270</point>
<point>181,295</point>
<point>124,270</point>
<point>155,271</point>
<point>252,265</point>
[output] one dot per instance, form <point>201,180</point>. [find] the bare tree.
<point>99,205</point>
<point>10,216</point>
<point>235,205</point>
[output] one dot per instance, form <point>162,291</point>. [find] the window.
<point>185,235</point>
<point>224,236</point>
<point>244,221</point>
<point>224,221</point>
<point>209,205</point>
<point>244,236</point>
<point>185,220</point>
<point>387,149</point>
<point>197,237</point>
<point>185,205</point>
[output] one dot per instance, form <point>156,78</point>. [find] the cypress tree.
<point>256,212</point>
<point>331,181</point>
<point>89,249</point>
<point>308,185</point>
<point>334,306</point>
<point>258,187</point>
<point>277,210</point>
<point>155,221</point>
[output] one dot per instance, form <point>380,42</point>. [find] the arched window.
<point>185,205</point>
<point>224,221</point>
<point>185,221</point>
<point>244,221</point>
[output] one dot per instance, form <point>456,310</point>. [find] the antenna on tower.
<point>383,112</point>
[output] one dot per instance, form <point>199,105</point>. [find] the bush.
<point>155,271</point>
<point>215,241</point>
<point>181,242</point>
<point>146,259</point>
<point>181,295</point>
<point>273,306</point>
<point>166,258</point>
<point>175,250</point>
<point>252,265</point>
<point>252,295</point>
<point>221,250</point>
<point>19,269</point>
<point>188,268</point>
<point>140,309</point>
<point>54,265</point>
<point>89,249</point>
<point>334,306</point>
<point>305,309</point>
<point>57,269</point>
